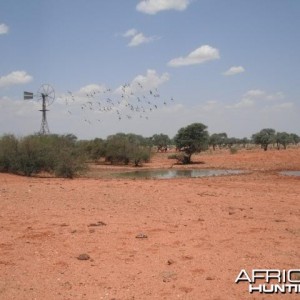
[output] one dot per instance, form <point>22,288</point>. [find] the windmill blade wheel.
<point>48,92</point>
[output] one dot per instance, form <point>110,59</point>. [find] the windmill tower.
<point>46,95</point>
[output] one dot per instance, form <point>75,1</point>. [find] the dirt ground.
<point>151,239</point>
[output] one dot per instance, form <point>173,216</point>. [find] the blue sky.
<point>232,65</point>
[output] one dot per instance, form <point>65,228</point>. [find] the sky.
<point>150,66</point>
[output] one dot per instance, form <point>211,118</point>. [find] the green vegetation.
<point>217,139</point>
<point>127,148</point>
<point>161,141</point>
<point>264,138</point>
<point>33,154</point>
<point>65,156</point>
<point>192,139</point>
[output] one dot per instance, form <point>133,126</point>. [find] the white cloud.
<point>137,38</point>
<point>210,105</point>
<point>257,96</point>
<point>154,6</point>
<point>234,71</point>
<point>91,88</point>
<point>285,105</point>
<point>142,83</point>
<point>4,28</point>
<point>15,78</point>
<point>245,102</point>
<point>130,32</point>
<point>151,80</point>
<point>254,93</point>
<point>200,55</point>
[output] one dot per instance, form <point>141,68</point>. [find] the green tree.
<point>93,149</point>
<point>283,138</point>
<point>244,141</point>
<point>126,148</point>
<point>295,138</point>
<point>161,141</point>
<point>265,137</point>
<point>217,139</point>
<point>192,139</point>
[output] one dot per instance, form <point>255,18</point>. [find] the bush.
<point>233,150</point>
<point>8,153</point>
<point>172,156</point>
<point>126,148</point>
<point>35,153</point>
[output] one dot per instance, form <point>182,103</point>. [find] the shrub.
<point>35,153</point>
<point>126,148</point>
<point>233,150</point>
<point>172,156</point>
<point>8,153</point>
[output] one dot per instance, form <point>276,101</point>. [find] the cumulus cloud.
<point>254,94</point>
<point>151,80</point>
<point>285,105</point>
<point>142,83</point>
<point>245,102</point>
<point>257,96</point>
<point>137,38</point>
<point>15,78</point>
<point>154,6</point>
<point>91,88</point>
<point>4,28</point>
<point>130,32</point>
<point>200,55</point>
<point>234,71</point>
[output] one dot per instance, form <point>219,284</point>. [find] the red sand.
<point>200,232</point>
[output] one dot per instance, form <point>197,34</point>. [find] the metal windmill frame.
<point>46,95</point>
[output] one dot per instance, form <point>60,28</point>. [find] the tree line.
<point>65,155</point>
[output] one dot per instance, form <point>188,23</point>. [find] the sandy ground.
<point>200,232</point>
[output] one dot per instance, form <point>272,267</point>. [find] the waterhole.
<point>168,174</point>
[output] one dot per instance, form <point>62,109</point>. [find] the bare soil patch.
<point>95,238</point>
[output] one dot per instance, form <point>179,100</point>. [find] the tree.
<point>244,141</point>
<point>231,141</point>
<point>192,139</point>
<point>125,148</point>
<point>264,137</point>
<point>217,139</point>
<point>283,138</point>
<point>295,138</point>
<point>161,141</point>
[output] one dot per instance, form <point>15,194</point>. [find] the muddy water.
<point>290,173</point>
<point>168,174</point>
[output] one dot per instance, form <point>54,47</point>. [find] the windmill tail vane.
<point>28,96</point>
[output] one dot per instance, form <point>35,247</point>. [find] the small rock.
<point>209,278</point>
<point>99,223</point>
<point>141,236</point>
<point>170,262</point>
<point>83,256</point>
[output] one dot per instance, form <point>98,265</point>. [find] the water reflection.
<point>168,174</point>
<point>290,173</point>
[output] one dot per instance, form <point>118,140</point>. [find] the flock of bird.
<point>127,102</point>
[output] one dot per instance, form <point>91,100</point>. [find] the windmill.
<point>46,95</point>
